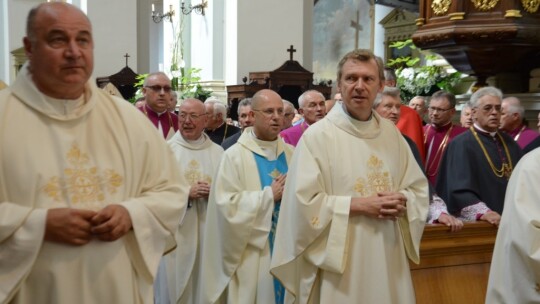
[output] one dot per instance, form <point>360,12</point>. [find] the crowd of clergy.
<point>173,203</point>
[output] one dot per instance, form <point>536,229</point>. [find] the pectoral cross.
<point>357,27</point>
<point>291,50</point>
<point>127,56</point>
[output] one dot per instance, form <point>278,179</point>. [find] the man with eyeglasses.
<point>198,159</point>
<point>157,95</point>
<point>243,211</point>
<point>244,119</point>
<point>440,132</point>
<point>216,127</point>
<point>476,167</point>
<point>312,106</point>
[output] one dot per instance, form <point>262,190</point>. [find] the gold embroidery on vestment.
<point>193,173</point>
<point>274,174</point>
<point>82,183</point>
<point>377,179</point>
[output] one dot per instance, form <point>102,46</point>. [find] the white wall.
<point>381,11</point>
<point>4,38</point>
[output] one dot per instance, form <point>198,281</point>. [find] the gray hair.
<point>302,98</point>
<point>145,83</point>
<point>217,105</point>
<point>485,91</point>
<point>514,106</point>
<point>243,103</point>
<point>388,91</point>
<point>286,102</point>
<point>444,94</point>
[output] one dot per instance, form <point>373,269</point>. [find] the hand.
<point>69,226</point>
<point>278,184</point>
<point>450,221</point>
<point>199,190</point>
<point>111,223</point>
<point>386,205</point>
<point>491,217</point>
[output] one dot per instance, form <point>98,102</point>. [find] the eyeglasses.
<point>434,109</point>
<point>270,112</point>
<point>157,88</point>
<point>192,116</point>
<point>289,114</point>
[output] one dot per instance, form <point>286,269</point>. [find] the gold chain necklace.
<point>506,168</point>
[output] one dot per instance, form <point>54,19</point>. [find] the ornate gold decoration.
<point>506,167</point>
<point>82,183</point>
<point>457,16</point>
<point>193,173</point>
<point>484,5</point>
<point>513,14</point>
<point>315,221</point>
<point>377,179</point>
<point>440,7</point>
<point>274,174</point>
<point>531,6</point>
<point>420,21</point>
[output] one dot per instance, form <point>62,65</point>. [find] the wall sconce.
<point>158,17</point>
<point>199,8</point>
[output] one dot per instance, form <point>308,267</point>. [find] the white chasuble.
<point>198,161</point>
<point>236,256</point>
<point>83,155</point>
<point>322,253</point>
<point>514,276</point>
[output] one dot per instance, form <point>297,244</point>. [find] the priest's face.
<point>313,107</point>
<point>288,116</point>
<point>509,120</point>
<point>191,119</point>
<point>267,115</point>
<point>466,117</point>
<point>389,108</point>
<point>440,112</point>
<point>157,92</point>
<point>244,119</point>
<point>359,84</point>
<point>60,47</point>
<point>488,113</point>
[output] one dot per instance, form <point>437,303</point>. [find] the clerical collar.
<point>197,141</point>
<point>354,119</point>
<point>65,106</point>
<point>157,113</point>
<point>269,148</point>
<point>444,127</point>
<point>484,131</point>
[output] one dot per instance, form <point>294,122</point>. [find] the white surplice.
<point>86,155</point>
<point>236,257</point>
<point>198,161</point>
<point>323,254</point>
<point>514,276</point>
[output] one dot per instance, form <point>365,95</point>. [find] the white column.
<point>4,43</point>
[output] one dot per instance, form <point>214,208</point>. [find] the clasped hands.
<point>79,226</point>
<point>385,205</point>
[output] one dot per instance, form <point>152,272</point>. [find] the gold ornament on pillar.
<point>531,6</point>
<point>440,7</point>
<point>484,5</point>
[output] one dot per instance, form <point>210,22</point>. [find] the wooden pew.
<point>454,267</point>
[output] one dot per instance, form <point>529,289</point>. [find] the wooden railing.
<point>454,267</point>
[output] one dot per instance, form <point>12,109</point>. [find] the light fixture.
<point>158,17</point>
<point>199,8</point>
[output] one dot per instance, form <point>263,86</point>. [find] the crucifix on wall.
<point>127,56</point>
<point>357,27</point>
<point>291,50</point>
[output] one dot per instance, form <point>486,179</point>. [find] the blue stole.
<point>268,171</point>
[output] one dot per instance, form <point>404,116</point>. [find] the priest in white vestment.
<point>355,202</point>
<point>514,276</point>
<point>198,158</point>
<point>90,196</point>
<point>243,210</point>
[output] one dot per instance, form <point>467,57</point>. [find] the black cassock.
<point>465,175</point>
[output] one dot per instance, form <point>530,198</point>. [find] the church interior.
<point>239,47</point>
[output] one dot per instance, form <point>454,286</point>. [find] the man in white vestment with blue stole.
<point>243,211</point>
<point>355,202</point>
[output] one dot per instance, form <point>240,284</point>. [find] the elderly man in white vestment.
<point>514,276</point>
<point>198,158</point>
<point>355,202</point>
<point>86,217</point>
<point>243,210</point>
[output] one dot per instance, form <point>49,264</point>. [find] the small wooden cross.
<point>127,56</point>
<point>291,50</point>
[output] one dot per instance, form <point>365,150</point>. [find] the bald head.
<point>52,9</point>
<point>267,113</point>
<point>262,97</point>
<point>194,104</point>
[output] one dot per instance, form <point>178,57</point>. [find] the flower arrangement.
<point>414,79</point>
